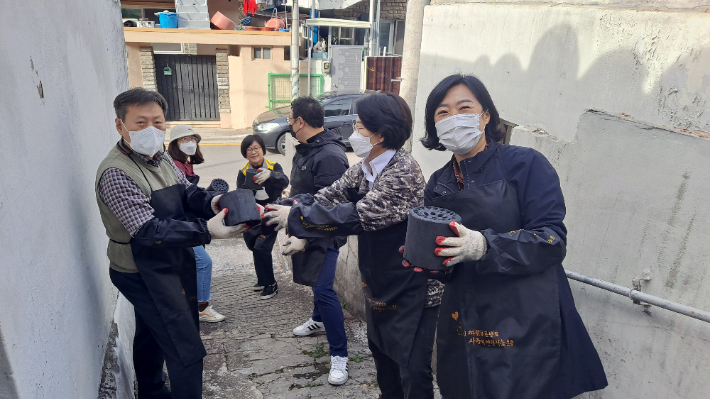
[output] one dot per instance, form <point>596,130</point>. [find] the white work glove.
<point>215,204</point>
<point>278,216</point>
<point>470,245</point>
<point>294,245</point>
<point>218,230</point>
<point>262,176</point>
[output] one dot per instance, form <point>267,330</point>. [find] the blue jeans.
<point>327,309</point>
<point>204,274</point>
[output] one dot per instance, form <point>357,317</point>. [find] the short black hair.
<point>310,110</point>
<point>249,140</point>
<point>494,129</point>
<point>137,96</point>
<point>387,114</point>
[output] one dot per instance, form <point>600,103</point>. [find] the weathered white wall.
<point>636,199</point>
<point>636,191</point>
<point>62,64</point>
<point>544,65</point>
<point>661,5</point>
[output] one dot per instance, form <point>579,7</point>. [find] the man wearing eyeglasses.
<point>319,161</point>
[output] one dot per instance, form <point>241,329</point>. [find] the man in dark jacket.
<point>319,161</point>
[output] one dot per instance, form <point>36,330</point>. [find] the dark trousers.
<point>152,346</point>
<point>264,266</point>
<point>326,306</point>
<point>416,380</point>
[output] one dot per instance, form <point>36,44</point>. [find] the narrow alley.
<point>253,353</point>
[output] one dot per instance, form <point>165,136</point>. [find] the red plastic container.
<point>222,22</point>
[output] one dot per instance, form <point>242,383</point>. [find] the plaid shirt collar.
<point>155,162</point>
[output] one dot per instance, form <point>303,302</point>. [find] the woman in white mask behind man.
<point>184,149</point>
<point>508,327</point>
<point>372,200</point>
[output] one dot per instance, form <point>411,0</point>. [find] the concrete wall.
<point>57,85</point>
<point>133,58</point>
<point>348,282</point>
<point>632,177</point>
<point>249,83</point>
<point>544,65</point>
<point>636,198</point>
<point>660,5</point>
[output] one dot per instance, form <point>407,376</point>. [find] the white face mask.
<point>361,144</point>
<point>147,141</point>
<point>459,133</point>
<point>189,148</point>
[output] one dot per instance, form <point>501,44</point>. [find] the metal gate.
<point>189,84</point>
<point>280,88</point>
<point>383,73</point>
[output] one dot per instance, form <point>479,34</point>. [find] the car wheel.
<point>281,144</point>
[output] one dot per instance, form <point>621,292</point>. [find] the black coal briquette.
<point>424,225</point>
<point>219,186</point>
<point>242,208</point>
<point>249,183</point>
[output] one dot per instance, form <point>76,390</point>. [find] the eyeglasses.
<point>255,150</point>
<point>289,120</point>
<point>358,129</point>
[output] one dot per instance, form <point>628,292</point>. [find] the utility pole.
<point>410,57</point>
<point>295,75</point>
<point>294,52</point>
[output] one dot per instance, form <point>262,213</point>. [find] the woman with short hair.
<point>372,200</point>
<point>509,328</point>
<point>260,239</point>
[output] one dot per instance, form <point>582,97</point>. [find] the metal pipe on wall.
<point>640,296</point>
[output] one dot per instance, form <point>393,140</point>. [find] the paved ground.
<point>253,353</point>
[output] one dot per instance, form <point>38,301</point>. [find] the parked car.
<point>339,113</point>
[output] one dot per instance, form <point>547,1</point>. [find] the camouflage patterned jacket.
<point>396,190</point>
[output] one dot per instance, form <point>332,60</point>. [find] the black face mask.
<point>293,134</point>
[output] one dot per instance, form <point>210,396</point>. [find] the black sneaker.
<point>269,291</point>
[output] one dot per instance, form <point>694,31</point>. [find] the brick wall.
<point>389,9</point>
<point>223,81</point>
<point>148,69</point>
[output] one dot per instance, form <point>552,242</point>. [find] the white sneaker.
<point>338,370</point>
<point>210,315</point>
<point>308,328</point>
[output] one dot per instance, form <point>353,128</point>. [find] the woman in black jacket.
<point>260,240</point>
<point>508,328</point>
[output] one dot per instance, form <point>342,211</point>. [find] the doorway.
<point>189,84</point>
